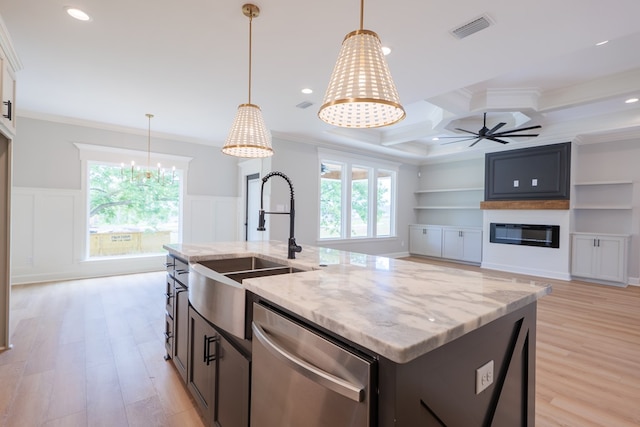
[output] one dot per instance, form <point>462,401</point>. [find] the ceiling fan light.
<point>361,92</point>
<point>249,136</point>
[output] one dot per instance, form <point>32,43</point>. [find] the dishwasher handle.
<point>327,380</point>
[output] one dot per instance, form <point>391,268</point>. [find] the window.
<point>130,212</point>
<point>357,198</point>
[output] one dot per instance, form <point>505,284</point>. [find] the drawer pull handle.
<point>8,115</point>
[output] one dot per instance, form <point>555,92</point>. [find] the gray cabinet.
<point>218,375</point>
<point>425,240</point>
<point>177,304</point>
<point>602,257</point>
<point>201,366</point>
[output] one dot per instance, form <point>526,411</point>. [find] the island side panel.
<point>439,388</point>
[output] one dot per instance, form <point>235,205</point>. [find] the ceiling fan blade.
<point>459,140</point>
<point>475,142</point>
<point>495,128</point>
<point>529,135</point>
<point>520,129</point>
<point>467,131</point>
<point>491,138</point>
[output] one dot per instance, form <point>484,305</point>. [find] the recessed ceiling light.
<point>386,50</point>
<point>435,138</point>
<point>307,91</point>
<point>78,14</point>
<point>602,42</point>
<point>631,100</point>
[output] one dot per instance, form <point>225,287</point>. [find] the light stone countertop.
<point>397,309</point>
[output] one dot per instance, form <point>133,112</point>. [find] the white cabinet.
<point>464,244</point>
<point>602,257</point>
<point>425,240</point>
<point>453,243</point>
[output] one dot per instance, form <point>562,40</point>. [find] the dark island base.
<point>439,388</point>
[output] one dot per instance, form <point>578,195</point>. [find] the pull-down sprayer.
<point>292,246</point>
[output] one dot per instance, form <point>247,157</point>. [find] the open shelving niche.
<point>603,207</point>
<point>450,206</point>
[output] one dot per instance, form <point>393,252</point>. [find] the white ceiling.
<point>187,63</point>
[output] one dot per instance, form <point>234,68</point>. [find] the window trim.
<point>92,153</point>
<point>374,166</point>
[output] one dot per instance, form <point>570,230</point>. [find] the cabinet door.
<point>417,240</point>
<point>181,330</point>
<point>201,378</point>
<point>433,244</point>
<point>233,387</point>
<point>472,245</point>
<point>425,240</point>
<point>452,244</point>
<point>583,255</point>
<point>610,263</point>
<point>8,96</point>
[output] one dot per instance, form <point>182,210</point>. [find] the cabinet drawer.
<point>168,334</point>
<point>169,295</point>
<point>181,271</point>
<point>170,264</point>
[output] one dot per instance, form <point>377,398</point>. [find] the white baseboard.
<point>528,271</point>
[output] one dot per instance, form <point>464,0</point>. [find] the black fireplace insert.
<point>547,236</point>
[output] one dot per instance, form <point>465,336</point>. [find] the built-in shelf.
<point>577,184</point>
<point>455,206</point>
<point>449,190</point>
<point>603,207</point>
<point>447,207</point>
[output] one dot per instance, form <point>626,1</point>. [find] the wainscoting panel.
<point>49,240</point>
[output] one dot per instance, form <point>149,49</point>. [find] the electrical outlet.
<point>534,182</point>
<point>484,376</point>
<point>516,183</point>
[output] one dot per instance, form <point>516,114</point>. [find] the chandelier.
<point>158,174</point>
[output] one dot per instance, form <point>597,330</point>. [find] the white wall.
<point>49,209</point>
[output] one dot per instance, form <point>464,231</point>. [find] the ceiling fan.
<point>492,134</point>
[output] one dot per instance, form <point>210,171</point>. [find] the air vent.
<point>471,27</point>
<point>304,104</point>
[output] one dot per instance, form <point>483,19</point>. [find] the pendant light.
<point>249,136</point>
<point>361,93</point>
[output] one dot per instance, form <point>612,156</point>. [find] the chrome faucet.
<point>292,246</point>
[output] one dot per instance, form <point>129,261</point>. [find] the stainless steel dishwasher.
<point>300,378</point>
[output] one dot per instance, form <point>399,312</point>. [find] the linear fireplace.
<point>547,236</point>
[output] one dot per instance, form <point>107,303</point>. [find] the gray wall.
<point>300,163</point>
<point>45,157</point>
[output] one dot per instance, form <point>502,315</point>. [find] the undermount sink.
<point>216,291</point>
<point>239,269</point>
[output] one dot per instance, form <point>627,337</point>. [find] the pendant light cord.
<point>149,143</point>
<point>362,14</point>
<point>250,38</point>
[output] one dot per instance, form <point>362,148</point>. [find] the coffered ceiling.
<point>187,63</point>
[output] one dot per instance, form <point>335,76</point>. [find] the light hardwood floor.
<point>90,352</point>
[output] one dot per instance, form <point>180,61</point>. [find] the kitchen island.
<point>450,346</point>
